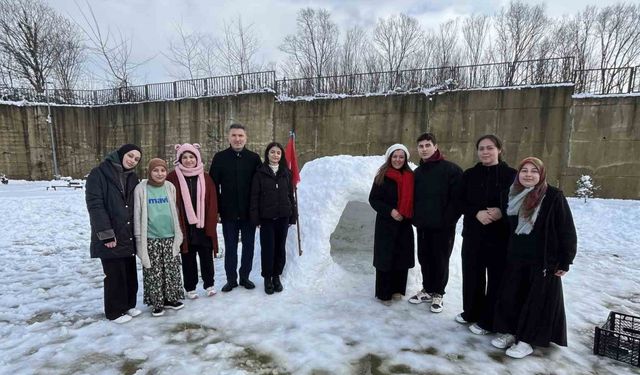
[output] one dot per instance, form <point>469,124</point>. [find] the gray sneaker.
<point>436,303</point>
<point>421,296</point>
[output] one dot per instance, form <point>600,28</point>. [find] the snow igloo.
<point>336,221</point>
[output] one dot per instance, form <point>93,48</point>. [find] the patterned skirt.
<point>163,281</point>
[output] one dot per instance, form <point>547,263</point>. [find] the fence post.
<point>318,81</point>
<point>175,89</point>
<point>632,76</point>
<point>95,97</point>
<point>146,92</point>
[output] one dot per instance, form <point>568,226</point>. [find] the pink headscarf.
<point>193,217</point>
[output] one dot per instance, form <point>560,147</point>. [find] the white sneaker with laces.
<point>134,312</point>
<point>437,304</point>
<point>122,319</point>
<point>211,291</point>
<point>519,350</point>
<point>503,341</point>
<point>191,294</point>
<point>476,329</point>
<point>460,319</point>
<point>420,297</point>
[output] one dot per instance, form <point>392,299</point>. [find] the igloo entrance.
<point>352,240</point>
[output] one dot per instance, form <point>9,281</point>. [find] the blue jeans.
<point>231,230</point>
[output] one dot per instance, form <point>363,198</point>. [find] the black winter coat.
<point>484,187</point>
<point>110,206</point>
<point>272,195</point>
<point>232,172</point>
<point>555,232</point>
<point>436,192</point>
<point>393,246</point>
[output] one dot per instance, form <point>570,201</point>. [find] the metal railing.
<point>209,86</point>
<point>519,73</point>
<point>505,74</point>
<point>608,80</point>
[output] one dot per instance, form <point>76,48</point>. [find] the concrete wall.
<point>605,144</point>
<point>596,136</point>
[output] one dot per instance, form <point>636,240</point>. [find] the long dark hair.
<point>496,142</point>
<point>382,171</point>
<point>283,160</point>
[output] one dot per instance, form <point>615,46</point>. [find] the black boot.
<point>229,286</point>
<point>248,284</point>
<point>277,285</point>
<point>268,285</point>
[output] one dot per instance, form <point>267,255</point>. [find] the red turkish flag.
<point>292,159</point>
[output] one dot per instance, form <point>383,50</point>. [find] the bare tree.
<point>447,52</point>
<point>519,29</point>
<point>353,51</point>
<point>32,39</point>
<point>237,49</point>
<point>397,39</point>
<point>474,34</point>
<point>68,68</point>
<point>6,73</point>
<point>618,31</point>
<point>185,52</point>
<point>575,36</point>
<point>314,46</point>
<point>113,51</point>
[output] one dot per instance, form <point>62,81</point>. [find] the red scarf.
<point>404,180</point>
<point>436,156</point>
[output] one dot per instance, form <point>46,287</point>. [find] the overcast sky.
<point>150,24</point>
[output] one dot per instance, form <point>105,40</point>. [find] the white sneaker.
<point>519,350</point>
<point>396,296</point>
<point>191,294</point>
<point>420,297</point>
<point>134,312</point>
<point>211,291</point>
<point>122,319</point>
<point>436,303</point>
<point>503,341</point>
<point>460,319</point>
<point>476,329</point>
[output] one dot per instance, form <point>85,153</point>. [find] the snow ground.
<point>325,322</point>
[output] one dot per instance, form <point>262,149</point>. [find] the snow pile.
<point>325,321</point>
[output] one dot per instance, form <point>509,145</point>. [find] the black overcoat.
<point>484,187</point>
<point>541,318</point>
<point>232,173</point>
<point>556,231</point>
<point>272,195</point>
<point>393,244</point>
<point>110,206</point>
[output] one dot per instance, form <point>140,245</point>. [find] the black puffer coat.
<point>484,187</point>
<point>436,193</point>
<point>272,195</point>
<point>110,206</point>
<point>393,245</point>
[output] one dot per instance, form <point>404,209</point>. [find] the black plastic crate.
<point>619,338</point>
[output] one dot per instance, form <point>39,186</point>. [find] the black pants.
<point>232,230</point>
<point>390,282</point>
<point>120,285</point>
<point>190,267</point>
<point>434,251</point>
<point>273,238</point>
<point>483,264</point>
